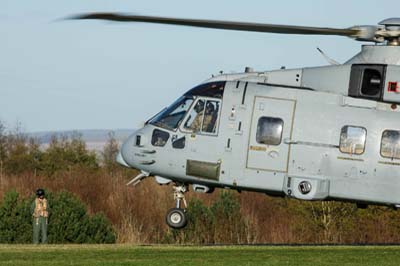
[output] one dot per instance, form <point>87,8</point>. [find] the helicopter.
<point>316,133</point>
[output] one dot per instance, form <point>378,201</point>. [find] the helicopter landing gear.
<point>176,217</point>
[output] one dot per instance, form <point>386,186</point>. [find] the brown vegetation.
<point>137,213</point>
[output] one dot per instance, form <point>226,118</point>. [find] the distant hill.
<point>94,138</point>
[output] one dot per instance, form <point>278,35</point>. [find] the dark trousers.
<point>39,226</point>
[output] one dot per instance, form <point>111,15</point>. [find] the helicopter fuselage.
<point>286,132</point>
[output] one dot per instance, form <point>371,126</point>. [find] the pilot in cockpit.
<point>199,109</point>
<point>204,117</point>
<point>209,118</point>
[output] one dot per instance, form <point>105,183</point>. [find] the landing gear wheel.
<point>176,218</point>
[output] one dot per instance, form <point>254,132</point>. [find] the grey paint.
<point>308,155</point>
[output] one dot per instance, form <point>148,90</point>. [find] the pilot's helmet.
<point>199,106</point>
<point>210,108</point>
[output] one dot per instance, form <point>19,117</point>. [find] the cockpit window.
<point>159,138</point>
<point>171,117</point>
<point>203,117</point>
<point>195,118</point>
<point>210,117</point>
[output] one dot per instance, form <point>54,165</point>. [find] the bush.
<point>229,224</point>
<point>64,154</point>
<point>222,222</point>
<point>15,220</point>
<point>99,229</point>
<point>68,221</point>
<point>201,221</point>
<point>20,154</point>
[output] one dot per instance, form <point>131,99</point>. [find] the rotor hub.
<point>390,22</point>
<point>390,32</point>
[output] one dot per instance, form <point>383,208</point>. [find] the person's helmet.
<point>199,106</point>
<point>39,192</point>
<point>209,108</point>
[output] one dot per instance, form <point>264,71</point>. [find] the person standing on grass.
<point>40,213</point>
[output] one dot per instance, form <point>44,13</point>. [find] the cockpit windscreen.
<point>171,117</point>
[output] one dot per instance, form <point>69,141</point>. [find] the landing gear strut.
<point>176,217</point>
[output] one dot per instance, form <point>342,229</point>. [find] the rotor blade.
<point>219,24</point>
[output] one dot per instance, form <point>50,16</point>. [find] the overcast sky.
<point>60,75</point>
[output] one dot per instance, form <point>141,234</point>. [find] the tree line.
<point>94,186</point>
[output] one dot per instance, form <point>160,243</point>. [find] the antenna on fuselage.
<point>327,58</point>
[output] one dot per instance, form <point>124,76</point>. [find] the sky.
<point>58,74</point>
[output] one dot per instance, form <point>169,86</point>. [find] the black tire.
<point>176,218</point>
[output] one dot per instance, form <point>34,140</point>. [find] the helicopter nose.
<point>120,159</point>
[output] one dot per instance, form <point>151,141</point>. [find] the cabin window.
<point>390,145</point>
<point>269,130</point>
<point>203,117</point>
<point>159,138</point>
<point>352,140</point>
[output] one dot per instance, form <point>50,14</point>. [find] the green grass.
<point>191,255</point>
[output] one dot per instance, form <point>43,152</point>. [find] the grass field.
<point>191,255</point>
